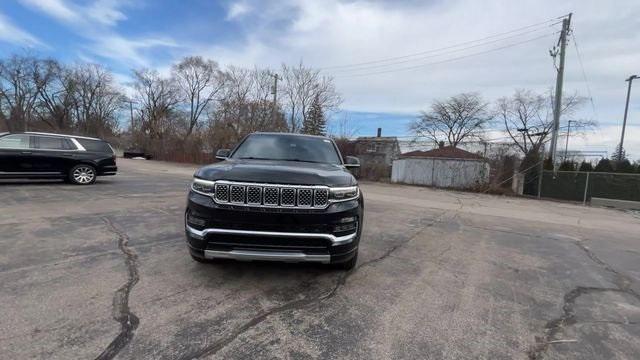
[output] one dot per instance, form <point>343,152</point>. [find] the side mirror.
<point>352,162</point>
<point>222,154</point>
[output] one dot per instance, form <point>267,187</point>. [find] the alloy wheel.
<point>83,174</point>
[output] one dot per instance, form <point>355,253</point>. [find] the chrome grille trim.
<point>221,193</point>
<point>254,195</point>
<point>321,196</point>
<point>335,240</point>
<point>287,197</point>
<point>305,197</point>
<point>271,195</point>
<point>237,194</point>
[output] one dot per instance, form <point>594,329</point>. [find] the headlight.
<point>343,193</point>
<point>204,187</point>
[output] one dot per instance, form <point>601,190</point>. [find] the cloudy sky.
<point>409,52</point>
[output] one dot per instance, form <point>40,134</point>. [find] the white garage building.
<point>447,167</point>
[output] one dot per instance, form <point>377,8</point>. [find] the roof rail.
<point>63,135</point>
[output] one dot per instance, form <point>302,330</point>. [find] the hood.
<point>278,172</point>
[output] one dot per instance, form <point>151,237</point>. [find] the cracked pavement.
<point>102,272</point>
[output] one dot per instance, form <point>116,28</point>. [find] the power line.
<point>448,60</point>
<point>355,69</point>
<point>584,76</point>
<point>550,22</point>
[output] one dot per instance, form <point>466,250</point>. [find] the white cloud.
<point>125,50</point>
<point>106,12</point>
<point>605,138</point>
<point>238,9</point>
<point>58,9</point>
<point>96,22</point>
<point>334,32</point>
<point>12,34</point>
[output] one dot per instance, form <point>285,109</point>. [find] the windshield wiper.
<point>253,158</point>
<point>302,160</point>
<point>297,160</point>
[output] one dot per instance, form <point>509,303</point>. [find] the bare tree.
<point>301,85</point>
<point>157,98</point>
<point>96,99</point>
<point>21,78</point>
<point>199,81</point>
<point>528,117</point>
<point>245,105</point>
<point>56,98</point>
<point>458,118</point>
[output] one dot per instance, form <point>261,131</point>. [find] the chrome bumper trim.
<point>247,255</point>
<point>335,240</point>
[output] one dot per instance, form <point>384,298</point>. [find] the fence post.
<point>586,187</point>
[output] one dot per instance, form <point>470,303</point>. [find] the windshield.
<point>286,147</point>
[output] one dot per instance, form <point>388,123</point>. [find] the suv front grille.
<point>237,194</point>
<point>271,195</point>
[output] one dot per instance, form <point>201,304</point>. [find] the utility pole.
<point>275,96</point>
<point>566,23</point>
<point>131,113</point>
<point>566,145</point>
<point>626,110</point>
<point>132,126</point>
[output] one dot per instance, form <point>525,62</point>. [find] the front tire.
<point>349,264</point>
<point>82,174</point>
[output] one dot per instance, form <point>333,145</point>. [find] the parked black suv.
<point>281,197</point>
<point>76,159</point>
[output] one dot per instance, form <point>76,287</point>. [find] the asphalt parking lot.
<point>103,272</point>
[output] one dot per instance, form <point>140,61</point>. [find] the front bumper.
<point>291,235</point>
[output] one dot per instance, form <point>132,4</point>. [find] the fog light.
<point>348,219</point>
<point>192,220</point>
<point>346,227</point>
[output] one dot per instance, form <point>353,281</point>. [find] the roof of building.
<point>448,152</point>
<point>378,138</point>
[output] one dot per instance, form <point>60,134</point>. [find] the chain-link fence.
<point>582,186</point>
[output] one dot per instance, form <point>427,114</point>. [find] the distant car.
<point>282,197</point>
<point>76,159</point>
<point>136,153</point>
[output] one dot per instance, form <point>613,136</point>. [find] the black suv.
<point>76,159</point>
<point>281,197</point>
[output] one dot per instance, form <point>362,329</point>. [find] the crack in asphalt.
<point>121,313</point>
<point>568,318</point>
<point>622,281</point>
<point>299,303</point>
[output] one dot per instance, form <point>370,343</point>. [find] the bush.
<point>604,165</point>
<point>567,165</point>
<point>585,166</point>
<point>624,166</point>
